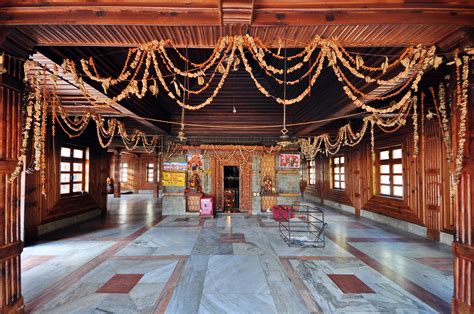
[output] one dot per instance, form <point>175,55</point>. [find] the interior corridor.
<point>135,260</point>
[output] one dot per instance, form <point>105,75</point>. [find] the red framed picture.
<point>290,161</point>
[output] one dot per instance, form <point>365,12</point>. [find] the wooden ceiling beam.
<point>254,12</point>
<point>363,17</point>
<point>118,15</point>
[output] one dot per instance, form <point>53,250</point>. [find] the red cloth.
<point>282,212</point>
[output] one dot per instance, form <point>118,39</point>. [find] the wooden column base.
<point>17,307</point>
<point>463,299</point>
<point>460,307</point>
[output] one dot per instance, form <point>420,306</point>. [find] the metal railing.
<point>302,225</point>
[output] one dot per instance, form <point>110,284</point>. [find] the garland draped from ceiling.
<point>149,68</point>
<point>37,101</point>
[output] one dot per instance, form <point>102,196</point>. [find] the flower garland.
<point>30,101</point>
<point>463,109</point>
<point>415,128</point>
<point>415,61</point>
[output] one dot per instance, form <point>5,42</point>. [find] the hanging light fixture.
<point>3,70</point>
<point>181,135</point>
<point>284,139</point>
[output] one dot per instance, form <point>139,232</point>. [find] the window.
<point>391,172</point>
<point>312,172</point>
<point>72,171</point>
<point>338,173</point>
<point>124,172</point>
<point>149,172</point>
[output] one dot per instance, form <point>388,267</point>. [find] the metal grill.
<point>302,226</point>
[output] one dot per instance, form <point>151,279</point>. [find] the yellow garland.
<point>463,108</point>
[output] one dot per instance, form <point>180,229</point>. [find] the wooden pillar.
<point>156,184</point>
<point>463,202</point>
<point>117,169</point>
<point>11,244</point>
<point>138,173</point>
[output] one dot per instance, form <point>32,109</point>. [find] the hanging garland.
<point>414,60</point>
<point>462,88</point>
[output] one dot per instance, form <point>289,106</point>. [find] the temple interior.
<point>236,156</point>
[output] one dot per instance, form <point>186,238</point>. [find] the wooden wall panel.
<point>40,210</point>
<point>463,203</point>
<point>137,175</point>
<point>11,244</point>
<point>426,190</point>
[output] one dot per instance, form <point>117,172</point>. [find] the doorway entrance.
<point>231,188</point>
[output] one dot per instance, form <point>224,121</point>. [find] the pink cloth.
<point>282,212</point>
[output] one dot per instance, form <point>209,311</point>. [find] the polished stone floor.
<point>136,261</point>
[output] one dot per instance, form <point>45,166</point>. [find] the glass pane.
<point>65,188</point>
<point>398,191</point>
<point>65,177</point>
<point>336,185</point>
<point>343,185</point>
<point>342,160</point>
<point>385,189</point>
<point>78,153</point>
<point>397,168</point>
<point>397,153</point>
<point>65,152</point>
<point>398,180</point>
<point>384,155</point>
<point>77,166</point>
<point>336,170</point>
<point>342,177</point>
<point>124,165</point>
<point>77,177</point>
<point>385,179</point>
<point>342,169</point>
<point>77,187</point>
<point>385,169</point>
<point>150,166</point>
<point>336,160</point>
<point>65,166</point>
<point>336,177</point>
<point>312,163</point>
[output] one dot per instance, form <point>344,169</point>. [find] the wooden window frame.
<point>334,173</point>
<point>72,160</point>
<point>312,171</point>
<point>148,168</point>
<point>390,162</point>
<point>121,172</point>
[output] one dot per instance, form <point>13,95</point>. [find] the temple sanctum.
<point>236,156</point>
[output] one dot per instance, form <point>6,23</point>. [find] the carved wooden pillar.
<point>156,184</point>
<point>117,170</point>
<point>463,245</point>
<point>11,244</point>
<point>138,173</point>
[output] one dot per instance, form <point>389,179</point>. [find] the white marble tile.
<point>236,283</point>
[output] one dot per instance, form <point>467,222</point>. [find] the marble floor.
<point>136,261</point>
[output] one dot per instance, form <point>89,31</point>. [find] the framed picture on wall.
<point>289,161</point>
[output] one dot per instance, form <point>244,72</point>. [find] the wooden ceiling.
<point>199,23</point>
<point>104,28</point>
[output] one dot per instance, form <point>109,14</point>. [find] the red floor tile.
<point>350,284</point>
<point>120,283</point>
<point>233,238</point>
<point>33,261</point>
